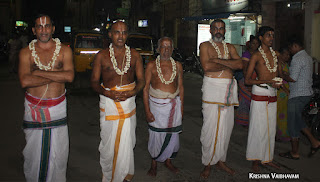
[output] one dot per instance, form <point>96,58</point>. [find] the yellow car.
<point>143,44</point>
<point>86,46</point>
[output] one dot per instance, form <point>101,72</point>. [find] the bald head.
<point>118,23</point>
<point>118,33</point>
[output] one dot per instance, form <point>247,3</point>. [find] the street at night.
<point>83,122</point>
<point>248,64</point>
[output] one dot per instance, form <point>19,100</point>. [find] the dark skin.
<point>36,80</point>
<point>253,46</point>
<point>165,49</point>
<point>210,62</point>
<point>258,64</point>
<point>213,67</point>
<point>103,67</point>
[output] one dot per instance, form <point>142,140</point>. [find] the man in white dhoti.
<point>45,118</point>
<point>218,60</point>
<point>163,101</point>
<point>118,66</point>
<point>263,109</point>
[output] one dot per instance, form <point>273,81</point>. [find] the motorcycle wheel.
<point>315,126</point>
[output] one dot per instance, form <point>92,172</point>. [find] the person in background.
<point>300,70</point>
<point>14,47</point>
<point>242,112</point>
<point>24,39</point>
<point>282,97</point>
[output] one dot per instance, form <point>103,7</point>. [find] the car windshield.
<point>89,41</point>
<point>140,43</point>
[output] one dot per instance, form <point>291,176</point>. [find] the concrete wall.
<point>310,7</point>
<point>312,29</point>
<point>268,12</point>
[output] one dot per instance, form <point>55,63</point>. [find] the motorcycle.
<point>193,65</point>
<point>311,112</point>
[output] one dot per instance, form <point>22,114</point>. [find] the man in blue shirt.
<point>301,69</point>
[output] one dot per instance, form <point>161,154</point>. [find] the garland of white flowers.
<point>37,59</point>
<point>279,79</point>
<point>275,59</point>
<point>160,75</point>
<point>114,61</point>
<point>225,49</point>
<point>40,65</point>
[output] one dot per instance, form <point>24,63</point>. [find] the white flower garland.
<point>114,61</point>
<point>37,59</point>
<point>160,75</point>
<point>225,49</point>
<point>275,59</point>
<point>279,80</point>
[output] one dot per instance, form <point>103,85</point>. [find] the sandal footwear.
<point>288,155</point>
<point>313,151</point>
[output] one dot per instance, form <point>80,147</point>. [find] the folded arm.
<point>65,75</point>
<point>27,79</point>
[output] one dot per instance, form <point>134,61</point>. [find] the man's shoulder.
<point>205,44</point>
<point>134,52</point>
<point>66,48</point>
<point>25,51</point>
<point>230,45</point>
<point>151,64</point>
<point>103,51</point>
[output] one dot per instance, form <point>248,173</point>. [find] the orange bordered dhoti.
<point>118,124</point>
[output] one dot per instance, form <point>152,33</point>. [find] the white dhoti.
<point>164,131</point>
<point>219,98</point>
<point>118,124</point>
<point>262,127</point>
<point>47,142</point>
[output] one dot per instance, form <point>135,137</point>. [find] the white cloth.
<point>53,141</point>
<point>219,98</point>
<point>262,126</point>
<point>164,131</point>
<point>161,94</point>
<point>118,124</point>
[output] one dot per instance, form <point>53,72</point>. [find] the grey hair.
<point>164,38</point>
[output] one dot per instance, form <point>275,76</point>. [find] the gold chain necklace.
<point>37,59</point>
<point>160,75</point>
<point>114,61</point>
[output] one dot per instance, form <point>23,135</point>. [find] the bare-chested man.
<point>163,101</point>
<point>45,66</point>
<point>263,109</point>
<point>218,60</point>
<point>118,65</point>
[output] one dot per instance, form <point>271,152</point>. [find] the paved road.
<point>84,131</point>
